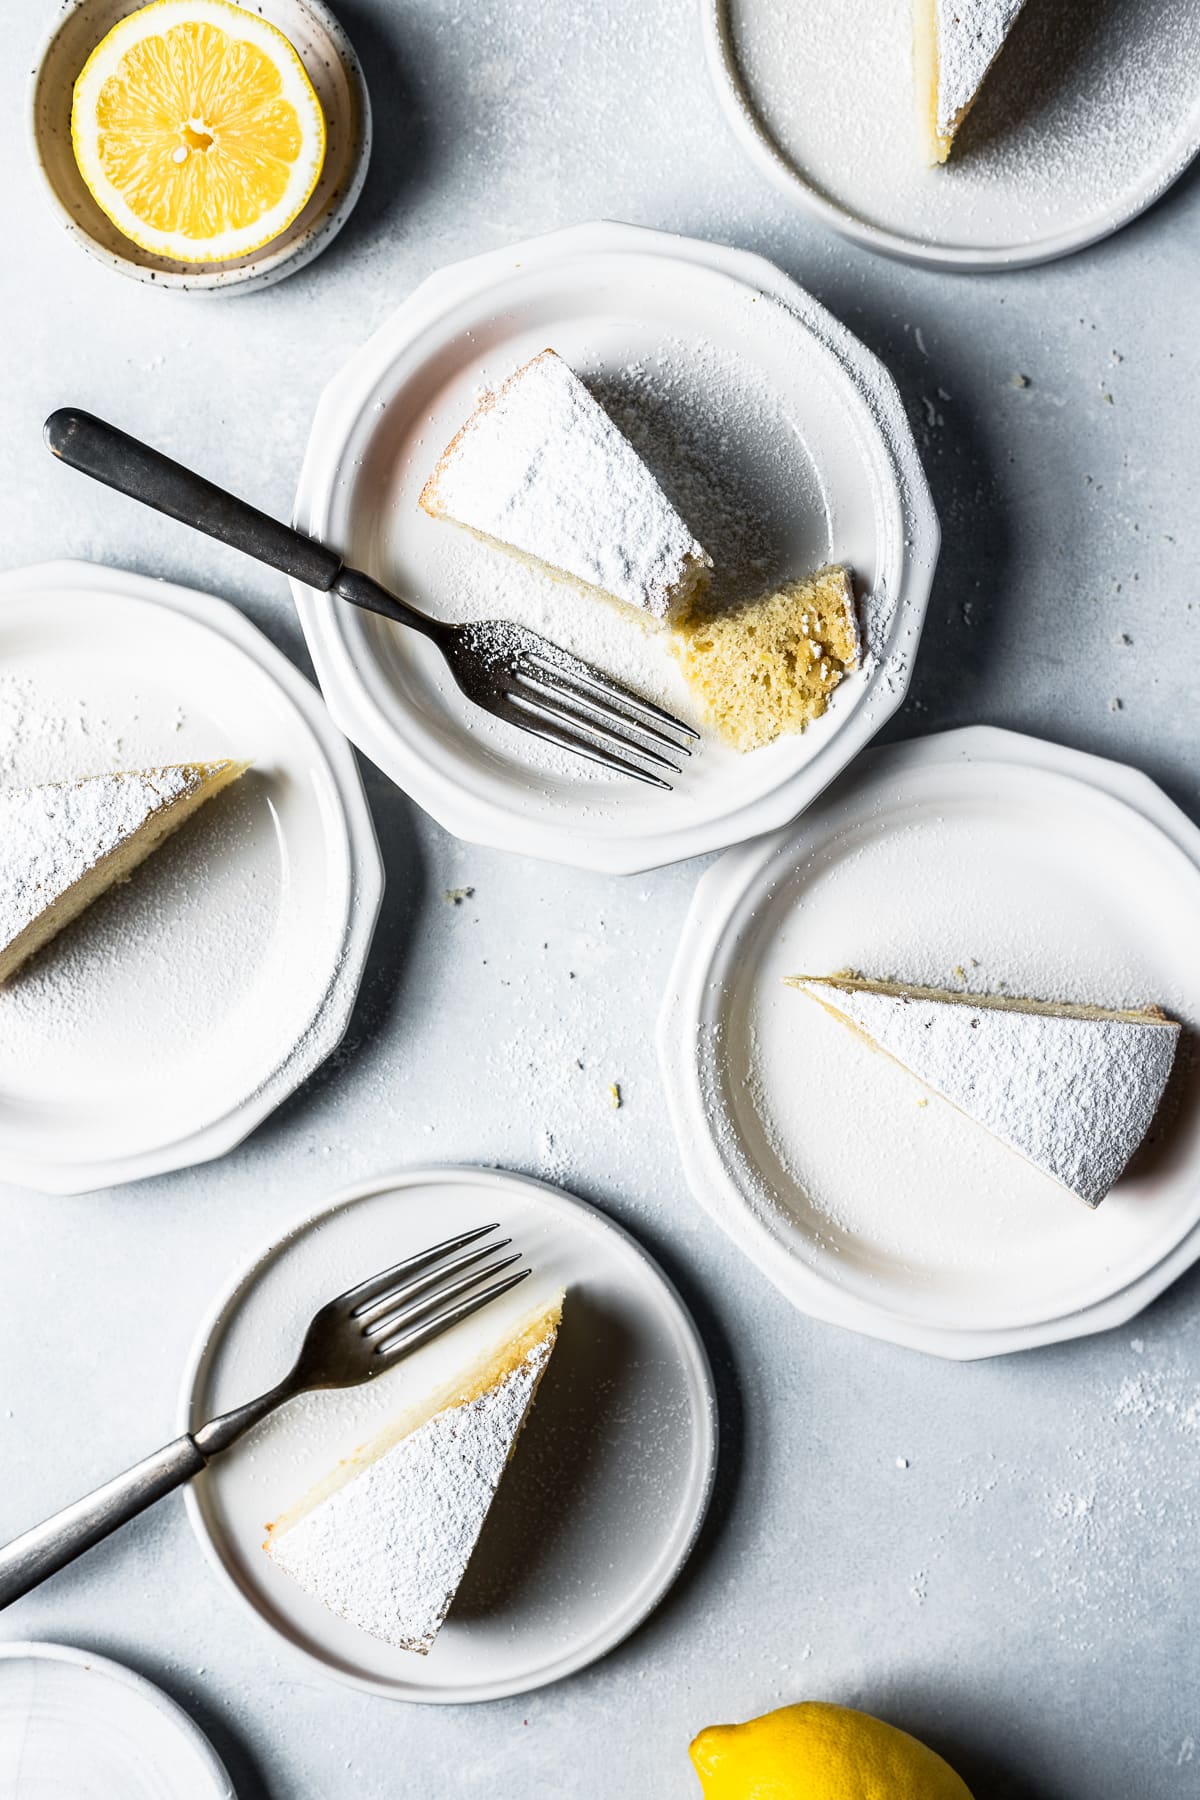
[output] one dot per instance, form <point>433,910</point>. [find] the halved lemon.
<point>197,130</point>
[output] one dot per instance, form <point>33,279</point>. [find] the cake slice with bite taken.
<point>541,471</point>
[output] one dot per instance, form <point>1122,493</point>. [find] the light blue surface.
<point>1022,1592</point>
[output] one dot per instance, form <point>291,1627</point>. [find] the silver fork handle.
<point>49,1547</point>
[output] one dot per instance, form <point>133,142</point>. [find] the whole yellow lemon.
<point>820,1752</point>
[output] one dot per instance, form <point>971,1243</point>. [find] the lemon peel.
<point>818,1751</point>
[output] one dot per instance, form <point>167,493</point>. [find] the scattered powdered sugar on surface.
<point>540,466</point>
<point>1074,114</point>
<point>43,739</point>
<point>567,1055</point>
<point>969,36</point>
<point>1095,1526</point>
<point>388,1549</point>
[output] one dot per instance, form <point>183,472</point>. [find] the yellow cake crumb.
<point>768,665</point>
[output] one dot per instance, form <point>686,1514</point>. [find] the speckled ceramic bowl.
<point>335,73</point>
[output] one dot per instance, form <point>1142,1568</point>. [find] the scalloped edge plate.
<point>721,1177</point>
<point>428,748</point>
<point>332,763</point>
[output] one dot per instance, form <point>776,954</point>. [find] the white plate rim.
<point>364,893</point>
<point>29,1649</point>
<point>705,1442</point>
<point>494,826</point>
<point>716,898</point>
<point>752,133</point>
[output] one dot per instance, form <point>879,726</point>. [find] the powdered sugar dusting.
<point>388,1550</point>
<point>43,738</point>
<point>948,876</point>
<point>1074,1096</point>
<point>541,467</point>
<point>1102,1539</point>
<point>970,34</point>
<point>51,836</point>
<point>1088,113</point>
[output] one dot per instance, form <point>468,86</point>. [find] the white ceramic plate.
<point>977,858</point>
<point>781,439</point>
<point>74,1726</point>
<point>608,1488</point>
<point>184,1005</point>
<point>337,78</point>
<point>1089,114</point>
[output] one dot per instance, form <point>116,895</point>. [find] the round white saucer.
<point>781,439</point>
<point>976,858</point>
<point>169,1020</point>
<point>609,1484</point>
<point>1089,114</point>
<point>74,1726</point>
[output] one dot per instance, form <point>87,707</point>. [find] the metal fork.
<point>512,673</point>
<point>354,1338</point>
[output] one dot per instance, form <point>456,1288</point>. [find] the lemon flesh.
<point>820,1752</point>
<point>196,130</point>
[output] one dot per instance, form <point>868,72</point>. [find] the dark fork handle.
<point>148,476</point>
<point>98,449</point>
<point>119,461</point>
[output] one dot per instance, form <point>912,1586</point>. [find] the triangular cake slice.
<point>1071,1088</point>
<point>384,1540</point>
<point>956,43</point>
<point>62,844</point>
<point>540,470</point>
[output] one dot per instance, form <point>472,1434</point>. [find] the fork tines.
<point>536,685</point>
<point>417,1299</point>
<point>579,709</point>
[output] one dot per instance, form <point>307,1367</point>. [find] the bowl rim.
<point>275,260</point>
